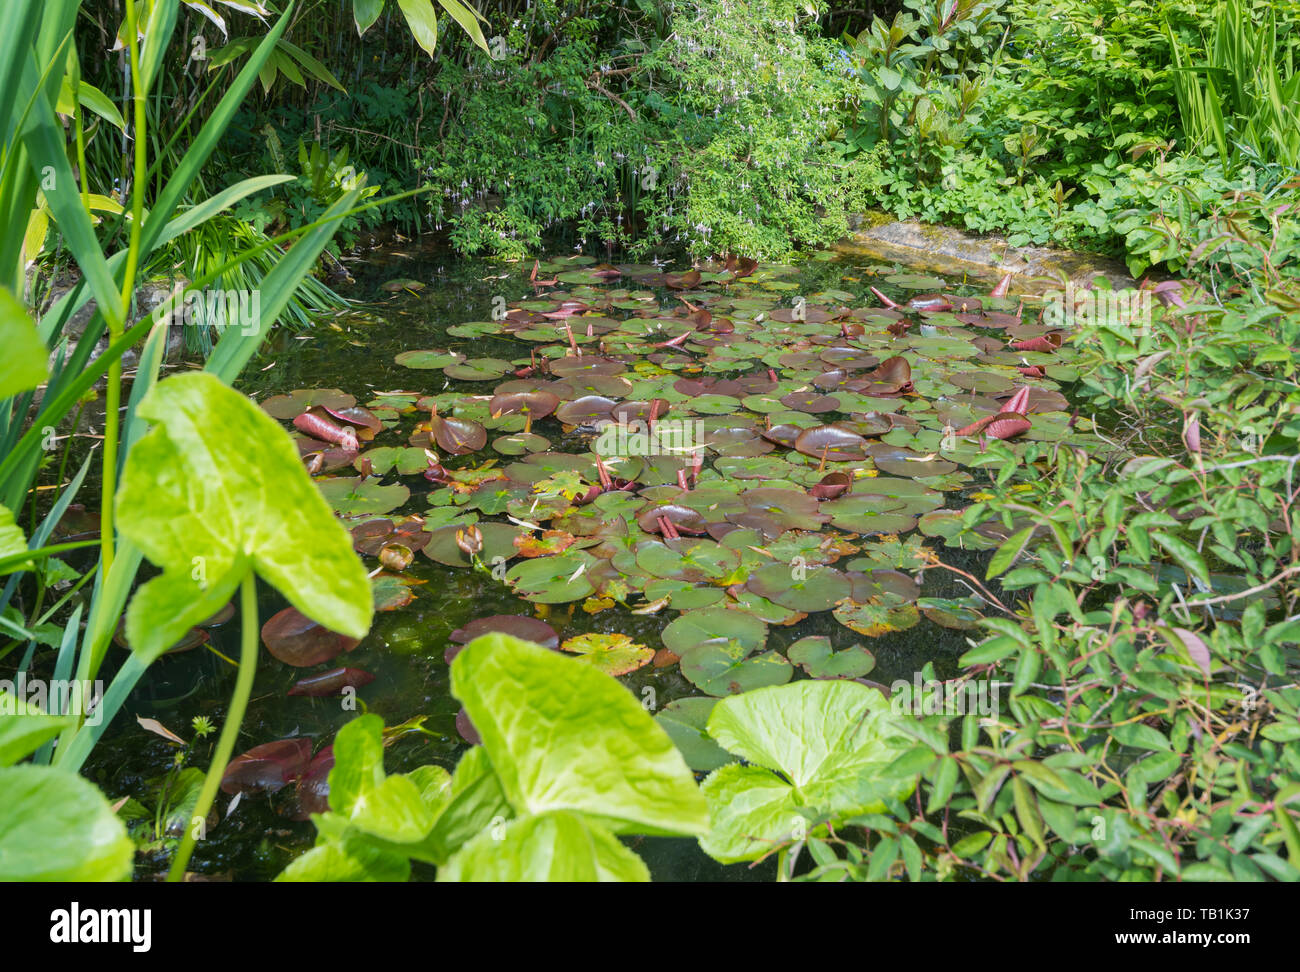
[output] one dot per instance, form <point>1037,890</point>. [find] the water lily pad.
<point>458,436</point>
<point>613,654</point>
<point>832,442</point>
<point>355,494</point>
<point>879,615</point>
<point>268,767</point>
<point>498,540</point>
<point>553,580</point>
<point>800,587</point>
<point>518,625</point>
<point>428,360</point>
<point>521,443</point>
<point>297,640</point>
<point>815,655</point>
<point>477,369</point>
<point>290,406</point>
<point>709,624</point>
<point>391,591</point>
<point>407,460</point>
<point>724,666</point>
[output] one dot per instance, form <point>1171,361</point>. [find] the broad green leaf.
<point>12,541</point>
<point>214,489</point>
<point>205,210</point>
<point>365,13</point>
<point>563,736</point>
<point>468,19</point>
<point>352,858</point>
<point>90,97</point>
<point>55,826</point>
<point>476,800</point>
<point>24,364</point>
<point>829,741</point>
<point>1006,554</point>
<point>1185,555</point>
<point>391,808</point>
<point>423,22</point>
<point>24,728</point>
<point>554,846</point>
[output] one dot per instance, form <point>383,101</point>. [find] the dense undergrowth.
<point>754,125</point>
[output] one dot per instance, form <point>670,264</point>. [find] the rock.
<point>951,253</point>
<point>148,296</point>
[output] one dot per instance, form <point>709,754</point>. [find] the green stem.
<point>230,729</point>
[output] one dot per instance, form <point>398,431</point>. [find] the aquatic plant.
<point>568,760</point>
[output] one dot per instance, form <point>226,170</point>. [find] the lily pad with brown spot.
<point>613,654</point>
<point>879,615</point>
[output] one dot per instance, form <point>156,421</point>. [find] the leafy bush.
<point>709,129</point>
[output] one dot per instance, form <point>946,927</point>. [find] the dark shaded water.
<point>405,649</point>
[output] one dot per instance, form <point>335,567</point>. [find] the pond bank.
<point>952,253</point>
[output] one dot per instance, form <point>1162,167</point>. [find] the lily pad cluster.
<point>709,443</point>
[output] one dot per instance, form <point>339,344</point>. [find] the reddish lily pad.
<point>297,640</point>
<point>267,768</point>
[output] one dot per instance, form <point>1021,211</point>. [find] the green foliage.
<point>54,826</point>
<point>715,135</point>
<point>1148,641</point>
<point>568,760</point>
<point>1071,133</point>
<point>214,490</point>
<point>817,754</point>
<point>1245,93</point>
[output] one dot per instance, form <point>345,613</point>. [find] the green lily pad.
<point>815,656</point>
<point>723,666</point>
<point>553,580</point>
<point>428,360</point>
<point>351,495</point>
<point>498,541</point>
<point>407,460</point>
<point>800,587</point>
<point>710,624</point>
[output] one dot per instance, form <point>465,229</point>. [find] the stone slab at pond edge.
<point>949,252</point>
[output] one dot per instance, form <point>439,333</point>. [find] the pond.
<point>747,359</point>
